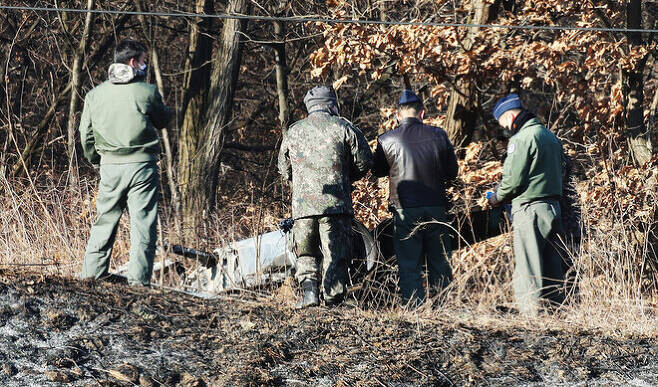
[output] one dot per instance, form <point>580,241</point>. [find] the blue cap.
<point>506,103</point>
<point>408,96</point>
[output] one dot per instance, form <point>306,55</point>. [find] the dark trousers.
<point>419,237</point>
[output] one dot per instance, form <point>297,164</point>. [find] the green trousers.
<point>134,186</point>
<point>537,255</point>
<point>325,239</point>
<point>414,246</point>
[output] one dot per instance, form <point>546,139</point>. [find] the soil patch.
<point>61,331</point>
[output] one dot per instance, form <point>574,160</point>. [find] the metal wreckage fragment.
<point>266,257</point>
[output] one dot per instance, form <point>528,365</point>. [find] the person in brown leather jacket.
<point>420,161</point>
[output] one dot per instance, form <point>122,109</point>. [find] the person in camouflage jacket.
<point>322,155</point>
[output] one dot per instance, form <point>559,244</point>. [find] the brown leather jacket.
<point>420,161</point>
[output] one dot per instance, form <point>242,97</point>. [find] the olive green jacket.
<point>119,119</point>
<point>533,168</point>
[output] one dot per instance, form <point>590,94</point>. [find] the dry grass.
<point>464,337</point>
<point>45,227</point>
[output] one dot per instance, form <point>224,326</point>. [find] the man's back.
<point>325,154</point>
<point>420,160</point>
<point>120,118</point>
<point>533,167</point>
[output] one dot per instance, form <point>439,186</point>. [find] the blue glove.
<point>492,198</point>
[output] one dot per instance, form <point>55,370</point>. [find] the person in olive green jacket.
<point>118,135</point>
<point>532,180</point>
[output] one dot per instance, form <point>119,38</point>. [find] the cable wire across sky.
<point>304,19</point>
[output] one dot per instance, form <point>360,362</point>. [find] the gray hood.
<point>121,73</point>
<point>320,97</point>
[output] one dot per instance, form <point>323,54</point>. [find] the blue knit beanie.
<point>506,103</point>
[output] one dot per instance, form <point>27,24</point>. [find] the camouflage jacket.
<point>322,155</point>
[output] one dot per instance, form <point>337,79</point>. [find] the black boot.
<point>311,296</point>
<point>334,302</point>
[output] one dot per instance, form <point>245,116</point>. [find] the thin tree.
<point>281,68</point>
<point>633,91</point>
<point>75,90</point>
<point>157,71</point>
<point>462,114</point>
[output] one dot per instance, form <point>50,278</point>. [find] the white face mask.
<point>140,71</point>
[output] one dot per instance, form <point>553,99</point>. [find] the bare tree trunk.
<point>75,90</point>
<point>383,9</point>
<point>155,61</point>
<point>638,137</point>
<point>223,82</point>
<point>281,75</point>
<point>171,178</point>
<point>461,117</point>
<point>633,90</point>
<point>195,94</point>
<point>462,114</point>
<point>3,71</point>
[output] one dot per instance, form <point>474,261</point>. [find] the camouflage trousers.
<point>324,242</point>
<point>537,255</point>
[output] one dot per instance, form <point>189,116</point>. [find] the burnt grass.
<point>56,331</point>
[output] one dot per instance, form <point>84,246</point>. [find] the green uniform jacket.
<point>322,155</point>
<point>119,121</point>
<point>533,168</point>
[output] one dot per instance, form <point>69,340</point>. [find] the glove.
<point>286,225</point>
<point>492,198</point>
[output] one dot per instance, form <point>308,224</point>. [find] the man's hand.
<point>286,224</point>
<point>492,198</point>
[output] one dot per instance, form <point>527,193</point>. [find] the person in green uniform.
<point>532,180</point>
<point>420,162</point>
<point>119,138</point>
